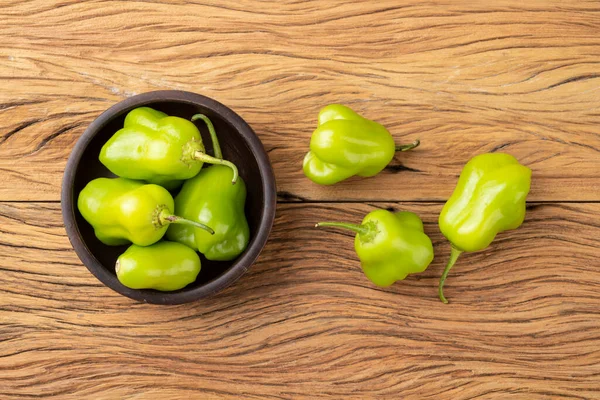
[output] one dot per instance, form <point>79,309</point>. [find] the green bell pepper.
<point>389,245</point>
<point>346,144</point>
<point>210,198</point>
<point>489,199</point>
<point>159,149</point>
<point>163,266</point>
<point>123,211</point>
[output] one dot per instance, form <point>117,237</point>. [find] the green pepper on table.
<point>163,266</point>
<point>159,149</point>
<point>346,144</point>
<point>489,198</point>
<point>389,245</point>
<point>122,211</point>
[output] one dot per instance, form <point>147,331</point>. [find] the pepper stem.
<point>201,156</point>
<point>406,147</point>
<point>213,134</point>
<point>453,257</point>
<point>360,229</point>
<point>165,218</point>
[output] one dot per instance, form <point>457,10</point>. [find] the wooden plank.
<point>508,77</point>
<point>304,323</point>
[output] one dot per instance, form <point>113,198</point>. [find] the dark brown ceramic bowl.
<point>239,144</point>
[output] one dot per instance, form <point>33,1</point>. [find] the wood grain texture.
<point>465,79</point>
<point>304,322</point>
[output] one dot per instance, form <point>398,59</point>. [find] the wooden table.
<point>304,323</point>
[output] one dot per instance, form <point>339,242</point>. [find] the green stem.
<point>406,147</point>
<point>165,218</point>
<point>360,229</point>
<point>213,134</point>
<point>201,156</point>
<point>453,257</point>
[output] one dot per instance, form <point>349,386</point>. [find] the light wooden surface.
<point>304,323</point>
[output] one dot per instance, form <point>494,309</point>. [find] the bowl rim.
<point>241,264</point>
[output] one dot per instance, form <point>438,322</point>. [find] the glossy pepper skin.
<point>157,148</point>
<point>346,144</point>
<point>164,266</point>
<point>211,199</point>
<point>124,211</point>
<point>390,245</point>
<point>489,198</point>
